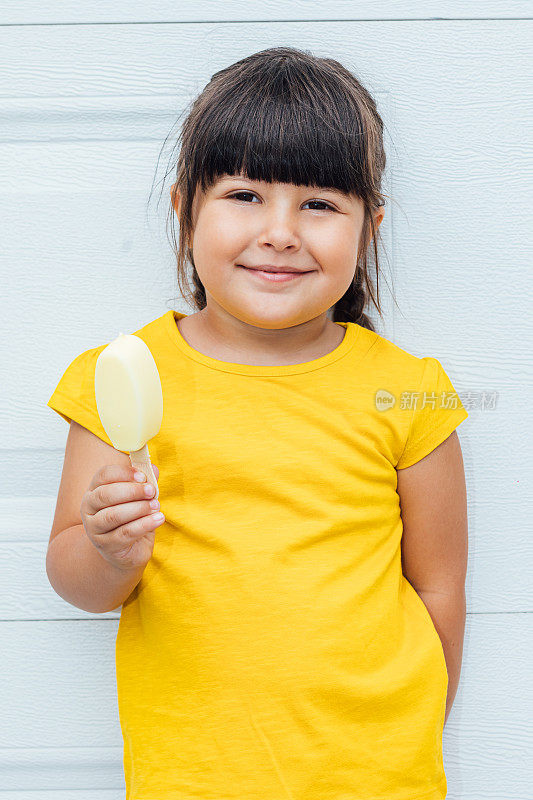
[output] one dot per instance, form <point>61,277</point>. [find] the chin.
<point>274,318</point>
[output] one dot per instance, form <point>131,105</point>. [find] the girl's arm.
<point>76,570</point>
<point>435,545</point>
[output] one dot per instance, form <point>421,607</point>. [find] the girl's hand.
<point>118,518</point>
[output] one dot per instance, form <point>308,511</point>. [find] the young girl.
<point>293,629</point>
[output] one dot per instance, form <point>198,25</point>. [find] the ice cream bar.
<point>129,399</point>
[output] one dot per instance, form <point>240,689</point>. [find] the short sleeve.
<point>436,412</point>
<point>74,397</point>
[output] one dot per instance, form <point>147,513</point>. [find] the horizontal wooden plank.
<point>28,594</point>
<point>62,690</point>
<point>59,689</point>
<point>178,60</point>
<point>52,768</point>
<point>91,118</point>
<point>24,12</point>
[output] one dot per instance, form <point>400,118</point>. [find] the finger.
<point>106,494</point>
<point>139,471</point>
<point>111,473</point>
<point>125,518</point>
<point>124,537</point>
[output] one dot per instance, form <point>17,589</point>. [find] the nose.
<point>279,230</point>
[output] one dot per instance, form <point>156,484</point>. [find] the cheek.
<point>339,267</point>
<point>224,238</point>
<point>225,220</point>
<point>211,237</point>
<point>336,241</point>
<point>344,253</point>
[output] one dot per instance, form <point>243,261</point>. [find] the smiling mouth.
<point>277,271</point>
<point>275,276</point>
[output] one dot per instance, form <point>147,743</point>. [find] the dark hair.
<point>284,115</point>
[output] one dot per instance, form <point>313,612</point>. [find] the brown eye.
<point>320,203</point>
<point>240,194</point>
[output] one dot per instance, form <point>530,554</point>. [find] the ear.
<point>378,217</point>
<point>177,200</point>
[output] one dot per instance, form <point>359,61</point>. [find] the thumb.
<point>156,471</point>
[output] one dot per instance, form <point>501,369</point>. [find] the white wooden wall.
<point>88,92</point>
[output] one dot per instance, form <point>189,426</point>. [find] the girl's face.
<point>241,224</point>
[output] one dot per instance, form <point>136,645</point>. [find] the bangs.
<point>275,134</point>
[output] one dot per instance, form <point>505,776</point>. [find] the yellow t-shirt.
<point>273,648</point>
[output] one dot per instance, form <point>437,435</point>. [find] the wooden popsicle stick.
<point>140,460</point>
